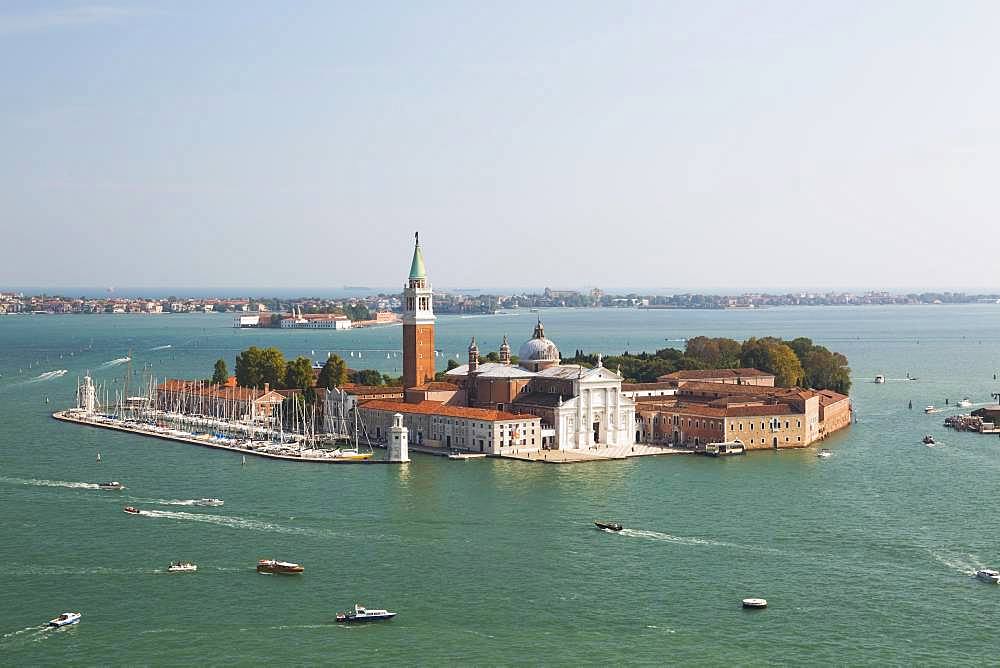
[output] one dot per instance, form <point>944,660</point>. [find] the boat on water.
<point>455,454</point>
<point>928,440</point>
<point>65,619</point>
<point>608,526</point>
<point>879,379</point>
<point>182,567</point>
<point>988,575</point>
<point>131,510</point>
<point>351,454</point>
<point>930,409</point>
<point>824,453</point>
<point>755,603</point>
<point>278,567</point>
<point>363,614</point>
<point>208,502</point>
<point>965,403</point>
<point>725,449</point>
<point>113,485</point>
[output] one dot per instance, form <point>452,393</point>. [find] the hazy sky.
<point>686,144</point>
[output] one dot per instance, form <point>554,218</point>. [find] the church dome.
<point>538,348</point>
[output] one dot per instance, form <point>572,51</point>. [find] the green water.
<point>865,557</point>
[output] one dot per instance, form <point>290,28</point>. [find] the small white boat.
<point>928,440</point>
<point>755,603</point>
<point>209,502</point>
<point>824,453</point>
<point>362,614</point>
<point>182,567</point>
<point>65,619</point>
<point>988,575</point>
<point>880,379</point>
<point>113,485</point>
<point>930,409</point>
<point>965,403</point>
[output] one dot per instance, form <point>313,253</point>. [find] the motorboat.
<point>352,454</point>
<point>755,603</point>
<point>880,379</point>
<point>65,619</point>
<point>988,575</point>
<point>113,485</point>
<point>363,614</point>
<point>455,454</point>
<point>965,403</point>
<point>131,510</point>
<point>276,567</point>
<point>182,567</point>
<point>930,409</point>
<point>208,502</point>
<point>608,526</point>
<point>824,453</point>
<point>725,449</point>
<point>928,440</point>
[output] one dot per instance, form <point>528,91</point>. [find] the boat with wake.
<point>988,575</point>
<point>182,567</point>
<point>65,619</point>
<point>131,510</point>
<point>928,440</point>
<point>965,403</point>
<point>608,526</point>
<point>275,567</point>
<point>363,614</point>
<point>208,502</point>
<point>824,453</point>
<point>114,485</point>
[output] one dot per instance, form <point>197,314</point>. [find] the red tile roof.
<point>436,408</point>
<point>698,374</point>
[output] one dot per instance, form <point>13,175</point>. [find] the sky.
<point>697,145</point>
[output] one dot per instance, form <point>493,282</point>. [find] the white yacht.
<point>930,409</point>
<point>65,619</point>
<point>988,575</point>
<point>965,403</point>
<point>182,567</point>
<point>113,485</point>
<point>755,603</point>
<point>362,614</point>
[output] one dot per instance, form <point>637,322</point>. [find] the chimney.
<point>267,387</point>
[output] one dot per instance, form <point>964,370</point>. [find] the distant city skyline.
<point>569,144</point>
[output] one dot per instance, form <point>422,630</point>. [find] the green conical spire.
<point>417,266</point>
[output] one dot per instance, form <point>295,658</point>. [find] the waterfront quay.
<point>257,449</point>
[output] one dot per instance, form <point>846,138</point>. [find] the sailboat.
<point>349,435</point>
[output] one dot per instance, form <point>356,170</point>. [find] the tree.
<point>299,374</point>
<point>334,372</point>
<point>367,377</point>
<point>774,356</point>
<point>221,374</point>
<point>256,367</point>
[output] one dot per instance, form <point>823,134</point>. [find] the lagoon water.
<point>866,557</point>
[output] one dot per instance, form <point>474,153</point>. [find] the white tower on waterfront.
<point>87,399</point>
<point>399,437</point>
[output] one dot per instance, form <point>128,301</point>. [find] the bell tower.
<point>418,323</point>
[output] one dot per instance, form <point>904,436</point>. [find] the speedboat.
<point>824,453</point>
<point>930,409</point>
<point>278,567</point>
<point>880,379</point>
<point>455,454</point>
<point>965,403</point>
<point>113,485</point>
<point>608,526</point>
<point>65,619</point>
<point>755,603</point>
<point>362,614</point>
<point>928,440</point>
<point>208,502</point>
<point>131,510</point>
<point>988,575</point>
<point>182,567</point>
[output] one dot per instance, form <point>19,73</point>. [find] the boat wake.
<point>162,347</point>
<point>53,483</point>
<point>687,540</point>
<point>227,521</point>
<point>48,375</point>
<point>966,564</point>
<point>115,362</point>
<point>29,634</point>
<point>182,502</point>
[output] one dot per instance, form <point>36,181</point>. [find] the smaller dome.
<point>538,348</point>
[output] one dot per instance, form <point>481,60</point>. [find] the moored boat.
<point>113,485</point>
<point>182,567</point>
<point>131,510</point>
<point>988,575</point>
<point>725,449</point>
<point>755,603</point>
<point>65,619</point>
<point>362,614</point>
<point>278,567</point>
<point>608,526</point>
